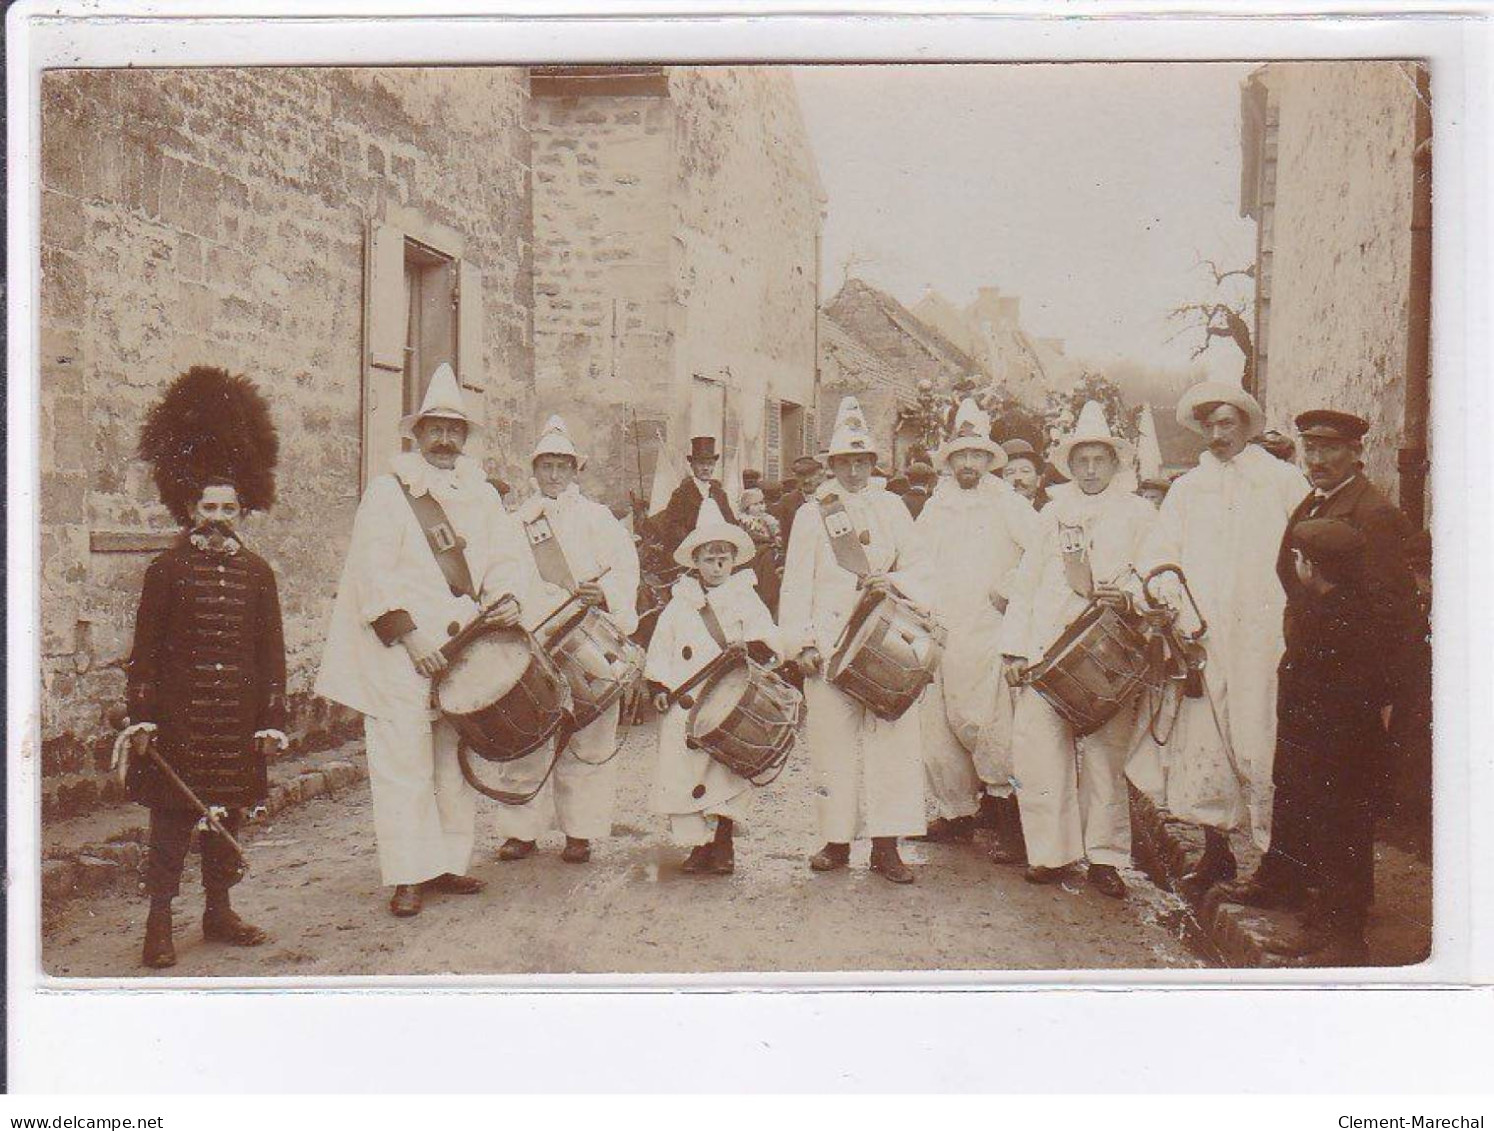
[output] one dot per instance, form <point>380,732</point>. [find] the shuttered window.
<point>772,441</point>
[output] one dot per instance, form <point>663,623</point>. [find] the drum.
<point>598,662</point>
<point>503,694</point>
<point>745,718</point>
<point>890,654</point>
<point>1093,669</point>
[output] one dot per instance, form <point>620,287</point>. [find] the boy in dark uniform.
<point>206,681</point>
<point>1330,741</point>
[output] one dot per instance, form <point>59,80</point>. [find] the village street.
<point>315,887</point>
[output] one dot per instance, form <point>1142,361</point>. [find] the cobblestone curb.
<point>116,863</point>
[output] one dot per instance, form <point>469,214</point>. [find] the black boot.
<point>948,830</point>
<point>831,858</point>
<point>1009,847</point>
<point>886,861</point>
<point>221,924</point>
<point>1216,865</point>
<point>158,952</point>
<point>723,854</point>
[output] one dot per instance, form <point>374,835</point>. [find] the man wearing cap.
<point>677,518</point>
<point>432,548</point>
<point>1222,523</point>
<point>1072,789</point>
<point>922,480</point>
<point>976,529</point>
<point>869,771</point>
<point>1023,471</point>
<point>579,549</point>
<point>809,472</point>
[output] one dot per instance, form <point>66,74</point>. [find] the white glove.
<point>119,759</point>
<point>278,736</point>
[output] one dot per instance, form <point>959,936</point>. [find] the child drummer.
<point>709,608</point>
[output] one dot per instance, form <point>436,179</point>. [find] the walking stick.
<point>203,811</point>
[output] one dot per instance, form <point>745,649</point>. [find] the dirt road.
<point>315,887</point>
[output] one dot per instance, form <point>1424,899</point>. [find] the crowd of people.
<point>1292,610</point>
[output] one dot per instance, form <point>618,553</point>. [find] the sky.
<point>1089,190</point>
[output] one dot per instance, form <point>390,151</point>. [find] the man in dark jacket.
<point>921,480</point>
<point>808,471</point>
<point>677,519</point>
<point>206,681</point>
<point>1334,679</point>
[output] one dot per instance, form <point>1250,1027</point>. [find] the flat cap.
<point>1329,424</point>
<point>1019,449</point>
<point>805,464</point>
<point>1329,540</point>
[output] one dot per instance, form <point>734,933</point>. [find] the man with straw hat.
<point>1222,523</point>
<point>432,549</point>
<point>1092,531</point>
<point>869,770</point>
<point>578,549</point>
<point>976,529</point>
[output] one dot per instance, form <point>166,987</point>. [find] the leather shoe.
<point>1107,881</point>
<point>226,927</point>
<point>723,858</point>
<point>887,863</point>
<point>406,901</point>
<point>1253,892</point>
<point>158,952</point>
<point>576,851</point>
<point>948,830</point>
<point>1039,874</point>
<point>516,849</point>
<point>452,884</point>
<point>831,858</point>
<point>698,863</point>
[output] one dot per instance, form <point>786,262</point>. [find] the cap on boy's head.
<point>1333,546</point>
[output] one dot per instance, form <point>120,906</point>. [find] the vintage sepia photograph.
<point>664,519</point>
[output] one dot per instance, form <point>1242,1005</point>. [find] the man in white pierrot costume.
<point>868,771</point>
<point>432,548</point>
<point>975,527</point>
<point>1072,790</point>
<point>578,547</point>
<point>1222,523</point>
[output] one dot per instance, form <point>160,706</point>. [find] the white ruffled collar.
<point>950,494</point>
<point>1072,506</point>
<point>422,477</point>
<point>689,590</point>
<point>539,503</point>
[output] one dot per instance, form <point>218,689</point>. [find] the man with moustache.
<point>1023,472</point>
<point>677,519</point>
<point>1222,523</point>
<point>432,549</point>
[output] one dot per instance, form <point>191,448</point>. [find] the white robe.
<point>976,538</point>
<point>1072,791</point>
<point>1223,524</point>
<point>578,798</point>
<point>423,809</point>
<point>690,783</point>
<point>869,772</point>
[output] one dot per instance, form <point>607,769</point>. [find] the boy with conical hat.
<point>1071,789</point>
<point>869,771</point>
<point>578,548</point>
<point>976,527</point>
<point>710,608</point>
<point>1223,523</point>
<point>432,549</point>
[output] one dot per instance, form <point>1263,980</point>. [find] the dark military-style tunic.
<point>208,668</point>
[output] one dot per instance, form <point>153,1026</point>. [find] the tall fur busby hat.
<point>210,426</point>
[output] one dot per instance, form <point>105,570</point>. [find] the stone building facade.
<point>1336,171</point>
<point>335,234</point>
<point>677,235</point>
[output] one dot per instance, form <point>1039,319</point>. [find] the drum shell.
<point>879,665</point>
<point>1093,669</point>
<point>756,738</point>
<point>521,720</point>
<point>585,637</point>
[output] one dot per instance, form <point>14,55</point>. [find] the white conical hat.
<point>1090,428</point>
<point>556,440</point>
<point>443,397</point>
<point>851,435</point>
<point>972,432</point>
<point>1220,392</point>
<point>1148,450</point>
<point>711,526</point>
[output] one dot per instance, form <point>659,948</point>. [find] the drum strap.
<point>713,625</point>
<point>445,543</point>
<point>549,558</point>
<point>845,543</point>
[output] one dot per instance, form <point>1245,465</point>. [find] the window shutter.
<point>387,315</point>
<point>772,440</point>
<point>811,433</point>
<point>469,325</point>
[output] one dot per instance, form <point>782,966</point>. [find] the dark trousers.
<point>171,837</point>
<point>1323,827</point>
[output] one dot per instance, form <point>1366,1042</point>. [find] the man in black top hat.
<point>677,518</point>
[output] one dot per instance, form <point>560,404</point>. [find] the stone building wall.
<point>1340,247</point>
<point>218,217</point>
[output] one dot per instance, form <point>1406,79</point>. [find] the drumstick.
<point>733,652</point>
<point>570,600</point>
